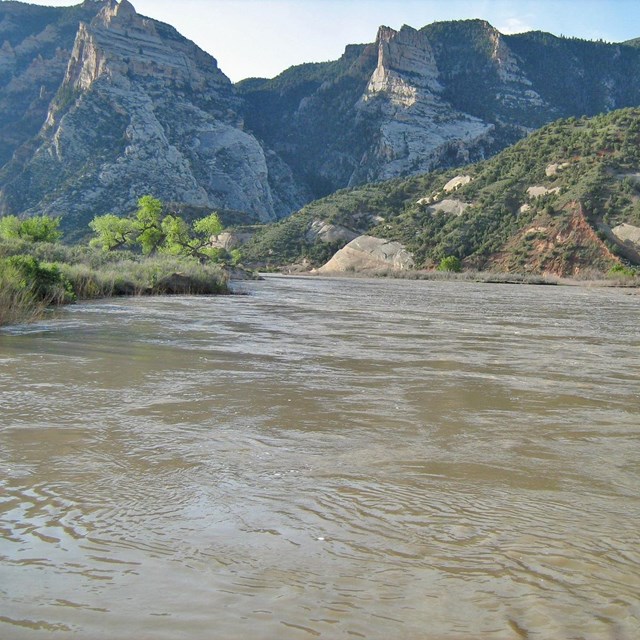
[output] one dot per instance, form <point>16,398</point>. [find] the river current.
<point>324,458</point>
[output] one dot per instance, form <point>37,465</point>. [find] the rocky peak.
<point>406,66</point>
<point>113,11</point>
<point>124,46</point>
<point>125,9</point>
<point>504,59</point>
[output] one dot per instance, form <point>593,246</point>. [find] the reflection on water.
<point>324,458</point>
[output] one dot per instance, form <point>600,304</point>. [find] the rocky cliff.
<point>140,110</point>
<point>445,95</point>
<point>35,46</point>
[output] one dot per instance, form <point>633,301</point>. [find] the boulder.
<point>538,190</point>
<point>456,183</point>
<point>450,206</point>
<point>629,237</point>
<point>366,253</point>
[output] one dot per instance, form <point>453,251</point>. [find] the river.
<point>324,458</point>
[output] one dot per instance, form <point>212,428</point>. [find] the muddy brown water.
<point>324,458</point>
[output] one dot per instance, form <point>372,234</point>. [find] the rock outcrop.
<point>628,236</point>
<point>321,231</point>
<point>36,44</point>
<point>142,110</point>
<point>417,127</point>
<point>367,253</point>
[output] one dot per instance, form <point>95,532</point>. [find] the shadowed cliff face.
<point>36,44</point>
<point>143,110</point>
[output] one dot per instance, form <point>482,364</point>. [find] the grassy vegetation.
<point>37,271</point>
<point>34,276</point>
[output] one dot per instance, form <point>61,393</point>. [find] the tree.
<point>194,241</point>
<point>10,227</point>
<point>149,224</point>
<point>152,232</point>
<point>35,229</point>
<point>112,232</point>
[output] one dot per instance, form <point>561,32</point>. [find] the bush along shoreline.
<point>159,255</point>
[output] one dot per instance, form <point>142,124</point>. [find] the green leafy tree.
<point>149,224</point>
<point>176,236</point>
<point>153,232</point>
<point>10,227</point>
<point>112,232</point>
<point>35,229</point>
<point>41,229</point>
<point>209,226</point>
<point>194,241</point>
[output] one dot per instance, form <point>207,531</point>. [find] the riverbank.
<point>36,276</point>
<point>589,280</point>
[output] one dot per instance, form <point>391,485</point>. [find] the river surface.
<point>324,458</point>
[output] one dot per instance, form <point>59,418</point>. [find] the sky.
<point>261,38</point>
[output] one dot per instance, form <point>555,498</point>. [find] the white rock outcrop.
<point>321,231</point>
<point>456,183</point>
<point>367,253</point>
<point>555,168</point>
<point>628,234</point>
<point>450,206</point>
<point>538,190</point>
<point>418,126</point>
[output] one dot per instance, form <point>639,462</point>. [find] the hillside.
<point>562,201</point>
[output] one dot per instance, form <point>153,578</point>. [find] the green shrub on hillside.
<point>450,263</point>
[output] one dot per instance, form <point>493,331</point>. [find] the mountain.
<point>100,105</point>
<point>139,109</point>
<point>36,45</point>
<point>445,95</point>
<point>563,201</point>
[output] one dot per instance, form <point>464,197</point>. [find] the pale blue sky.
<point>264,37</point>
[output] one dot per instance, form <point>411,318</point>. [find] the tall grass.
<point>18,305</point>
<point>34,276</point>
<point>27,287</point>
<point>150,276</point>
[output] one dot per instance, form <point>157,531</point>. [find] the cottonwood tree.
<point>35,229</point>
<point>150,230</point>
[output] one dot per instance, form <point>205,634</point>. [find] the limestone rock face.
<point>417,126</point>
<point>142,110</point>
<point>367,253</point>
<point>36,43</point>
